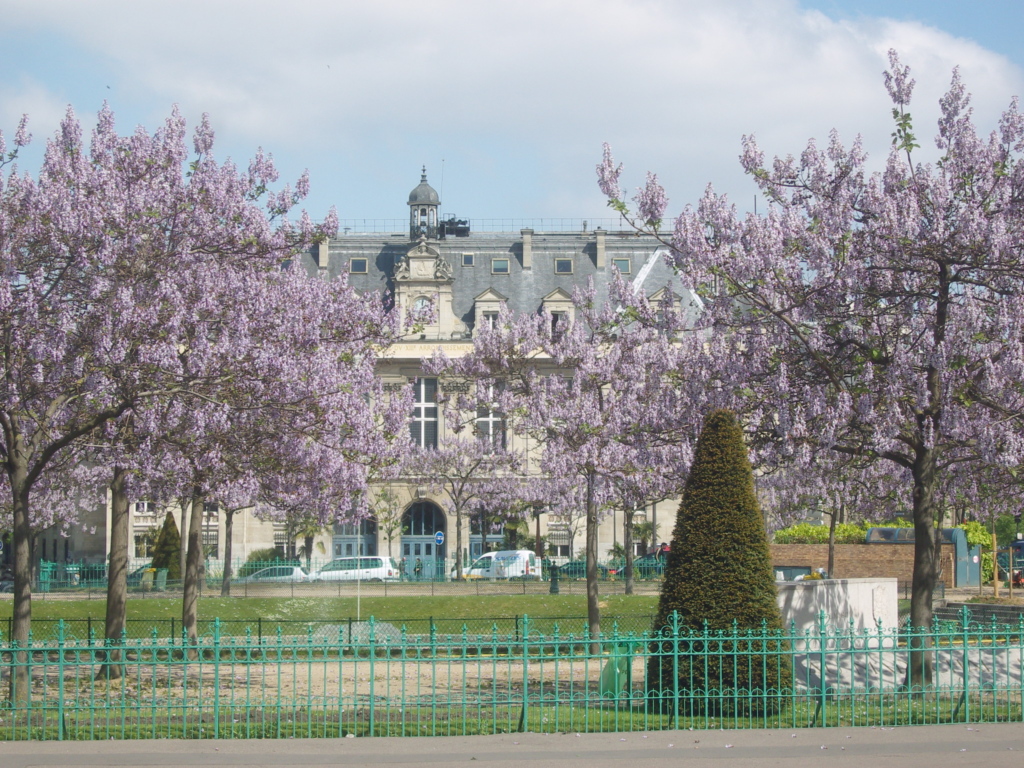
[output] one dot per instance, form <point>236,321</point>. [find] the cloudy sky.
<point>506,103</point>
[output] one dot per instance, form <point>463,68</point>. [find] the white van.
<point>359,569</point>
<point>506,564</point>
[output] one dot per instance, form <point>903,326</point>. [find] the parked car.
<point>577,569</point>
<point>506,564</point>
<point>359,569</point>
<point>276,574</point>
<point>646,567</point>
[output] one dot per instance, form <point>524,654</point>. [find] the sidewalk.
<point>909,747</point>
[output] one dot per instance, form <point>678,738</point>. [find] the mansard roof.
<point>523,286</point>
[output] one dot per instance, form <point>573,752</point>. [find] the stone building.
<point>469,272</point>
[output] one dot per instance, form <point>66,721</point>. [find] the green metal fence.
<point>90,630</point>
<point>379,678</point>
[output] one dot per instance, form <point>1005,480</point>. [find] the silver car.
<point>276,574</point>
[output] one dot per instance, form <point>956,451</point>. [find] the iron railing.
<point>382,679</point>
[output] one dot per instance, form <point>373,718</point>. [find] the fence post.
<point>216,678</point>
<point>373,653</point>
<point>965,697</point>
<point>524,715</point>
<point>822,694</point>
<point>60,682</point>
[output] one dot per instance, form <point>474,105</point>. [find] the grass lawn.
<point>470,608</point>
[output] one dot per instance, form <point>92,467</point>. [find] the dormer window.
<point>622,265</point>
<point>357,266</point>
<point>487,307</point>
<point>467,259</point>
<point>563,266</point>
<point>559,324</point>
<point>499,266</point>
<point>559,305</point>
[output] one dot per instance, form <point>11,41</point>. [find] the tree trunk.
<point>919,667</point>
<point>21,542</point>
<point>229,524</point>
<point>593,610</point>
<point>627,542</point>
<point>458,543</point>
<point>185,505</point>
<point>117,576</point>
<point>538,545</point>
<point>193,564</point>
<point>832,521</point>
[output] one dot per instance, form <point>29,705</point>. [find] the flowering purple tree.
<point>880,313</point>
<point>603,397</point>
<point>296,423</point>
<point>102,255</point>
<point>474,464</point>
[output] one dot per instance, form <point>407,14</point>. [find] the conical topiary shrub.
<point>718,601</point>
<point>167,550</point>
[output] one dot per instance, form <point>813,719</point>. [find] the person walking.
<point>418,569</point>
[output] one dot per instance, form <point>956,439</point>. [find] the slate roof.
<point>525,287</point>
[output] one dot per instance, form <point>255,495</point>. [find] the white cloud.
<point>516,96</point>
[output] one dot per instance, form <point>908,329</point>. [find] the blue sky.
<point>507,104</point>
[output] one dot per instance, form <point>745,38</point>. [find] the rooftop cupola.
<point>423,210</point>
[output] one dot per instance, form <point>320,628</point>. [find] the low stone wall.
<point>862,561</point>
<point>860,603</point>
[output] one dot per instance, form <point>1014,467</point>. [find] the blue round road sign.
<point>439,538</point>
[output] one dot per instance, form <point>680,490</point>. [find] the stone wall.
<point>858,603</point>
<point>862,561</point>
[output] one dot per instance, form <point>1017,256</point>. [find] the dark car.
<point>646,567</point>
<point>649,567</point>
<point>577,569</point>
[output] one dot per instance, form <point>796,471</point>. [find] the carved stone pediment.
<point>423,263</point>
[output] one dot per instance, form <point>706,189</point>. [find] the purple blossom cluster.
<point>157,340</point>
<point>875,320</point>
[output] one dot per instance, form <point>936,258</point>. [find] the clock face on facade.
<point>421,304</point>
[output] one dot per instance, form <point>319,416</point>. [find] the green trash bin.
<point>160,584</point>
<point>46,571</point>
<point>616,673</point>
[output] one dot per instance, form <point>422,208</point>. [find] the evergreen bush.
<point>719,584</point>
<point>167,552</point>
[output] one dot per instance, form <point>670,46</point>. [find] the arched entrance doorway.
<point>353,539</point>
<point>420,524</point>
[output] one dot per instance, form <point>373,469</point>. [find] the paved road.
<point>946,746</point>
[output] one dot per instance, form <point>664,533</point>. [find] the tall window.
<point>423,427</point>
<point>490,424</point>
<point>211,532</point>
